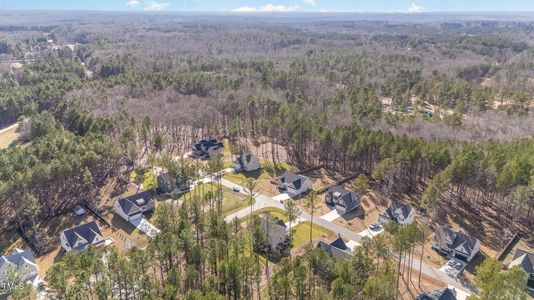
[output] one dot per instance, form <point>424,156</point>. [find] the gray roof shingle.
<point>86,233</point>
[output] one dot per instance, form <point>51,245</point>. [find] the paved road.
<point>263,201</point>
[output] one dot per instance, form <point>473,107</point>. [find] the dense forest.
<point>440,112</point>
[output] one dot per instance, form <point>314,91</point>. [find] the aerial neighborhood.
<point>284,150</point>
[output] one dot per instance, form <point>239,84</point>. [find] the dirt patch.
<point>410,289</point>
<point>52,229</point>
<point>10,136</point>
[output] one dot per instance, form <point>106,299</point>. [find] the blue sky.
<point>405,6</point>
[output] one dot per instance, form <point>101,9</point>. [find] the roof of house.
<point>524,259</point>
<point>274,227</point>
<point>244,159</point>
<point>439,294</point>
<point>165,177</point>
<point>207,144</point>
<point>292,180</point>
<point>398,210</point>
<point>131,205</point>
<point>455,240</point>
<point>18,257</point>
<point>336,249</point>
<point>347,198</point>
<point>86,233</point>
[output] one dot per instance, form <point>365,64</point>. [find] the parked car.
<point>451,263</point>
<point>458,266</point>
<point>236,189</point>
<point>375,226</point>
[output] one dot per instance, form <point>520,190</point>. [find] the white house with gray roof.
<point>294,184</point>
<point>455,244</point>
<point>399,213</point>
<point>341,199</point>
<point>246,162</point>
<point>20,263</point>
<point>132,208</point>
<point>525,260</point>
<point>80,237</point>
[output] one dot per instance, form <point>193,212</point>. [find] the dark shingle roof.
<point>131,205</point>
<point>398,210</point>
<point>18,257</point>
<point>456,240</point>
<point>439,294</point>
<point>336,249</point>
<point>292,180</point>
<point>206,144</point>
<point>165,178</point>
<point>523,259</point>
<point>346,198</point>
<point>244,159</point>
<point>87,232</point>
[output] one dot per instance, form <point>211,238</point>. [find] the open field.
<point>9,136</point>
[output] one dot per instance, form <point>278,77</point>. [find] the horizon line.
<point>230,12</point>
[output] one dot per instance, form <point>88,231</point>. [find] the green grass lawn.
<point>273,211</point>
<point>231,202</point>
<point>301,233</point>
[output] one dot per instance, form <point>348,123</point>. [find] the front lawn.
<point>232,203</point>
<point>301,233</point>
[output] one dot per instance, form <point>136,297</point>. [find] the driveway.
<point>146,227</point>
<point>452,271</point>
<point>263,201</point>
<point>331,216</point>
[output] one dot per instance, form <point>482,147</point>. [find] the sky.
<point>271,6</point>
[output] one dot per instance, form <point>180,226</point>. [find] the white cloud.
<point>266,8</point>
<point>133,3</point>
<point>310,2</point>
<point>415,8</point>
<point>156,6</point>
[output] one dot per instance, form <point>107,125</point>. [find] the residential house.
<point>247,162</point>
<point>294,184</point>
<point>208,148</point>
<point>343,200</point>
<point>132,208</point>
<point>275,229</point>
<point>525,260</point>
<point>439,294</point>
<point>80,237</point>
<point>22,263</point>
<point>167,184</point>
<point>336,249</point>
<point>399,213</point>
<point>455,244</point>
